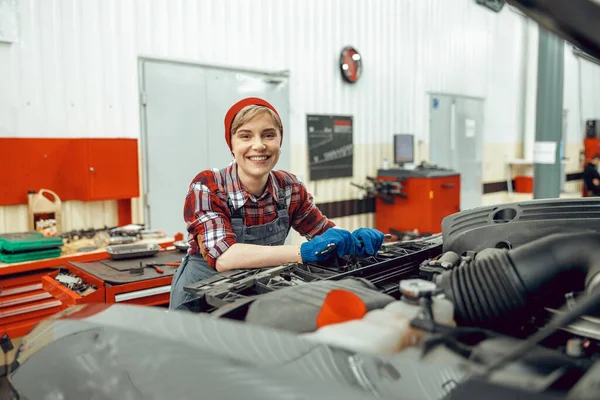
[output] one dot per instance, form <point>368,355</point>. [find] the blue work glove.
<point>369,241</point>
<point>344,242</point>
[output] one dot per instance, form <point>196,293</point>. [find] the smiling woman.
<point>256,145</point>
<point>240,216</point>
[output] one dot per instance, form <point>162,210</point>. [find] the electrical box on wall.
<point>9,32</point>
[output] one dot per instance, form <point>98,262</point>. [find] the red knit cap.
<point>230,116</point>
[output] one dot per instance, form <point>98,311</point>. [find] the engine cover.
<point>511,225</point>
<point>295,308</point>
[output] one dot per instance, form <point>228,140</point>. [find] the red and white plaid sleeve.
<point>208,219</point>
<point>306,218</point>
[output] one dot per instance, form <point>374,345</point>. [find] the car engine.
<point>504,303</point>
<point>522,280</point>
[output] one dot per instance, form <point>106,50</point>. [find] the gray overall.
<point>194,268</point>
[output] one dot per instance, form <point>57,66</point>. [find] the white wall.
<point>581,76</point>
<point>74,69</point>
<point>73,72</point>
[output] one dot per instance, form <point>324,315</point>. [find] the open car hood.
<point>574,20</point>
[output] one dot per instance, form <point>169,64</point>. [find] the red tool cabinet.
<point>24,302</point>
<point>76,169</point>
<point>428,195</point>
<point>29,293</point>
<point>146,293</point>
<point>67,296</point>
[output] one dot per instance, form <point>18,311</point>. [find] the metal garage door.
<point>182,111</point>
<point>456,142</point>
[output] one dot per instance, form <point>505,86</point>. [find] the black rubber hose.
<point>484,291</point>
<point>576,258</point>
<point>497,286</point>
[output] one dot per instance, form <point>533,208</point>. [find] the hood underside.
<point>576,21</point>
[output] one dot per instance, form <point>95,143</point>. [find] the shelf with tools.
<point>72,286</point>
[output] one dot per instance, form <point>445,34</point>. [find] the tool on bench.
<point>157,267</point>
<point>137,270</point>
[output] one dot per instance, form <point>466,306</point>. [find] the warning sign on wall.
<point>330,148</point>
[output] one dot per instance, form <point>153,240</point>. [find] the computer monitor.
<point>404,148</point>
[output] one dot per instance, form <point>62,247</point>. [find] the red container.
<point>523,184</point>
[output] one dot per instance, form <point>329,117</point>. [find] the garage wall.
<point>73,72</point>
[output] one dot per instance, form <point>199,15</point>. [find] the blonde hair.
<point>251,111</point>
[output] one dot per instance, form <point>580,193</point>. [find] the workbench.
<point>29,293</point>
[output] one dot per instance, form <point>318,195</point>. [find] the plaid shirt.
<point>208,217</point>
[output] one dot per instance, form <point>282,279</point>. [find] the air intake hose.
<point>498,285</point>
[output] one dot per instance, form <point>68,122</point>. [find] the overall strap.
<point>281,203</point>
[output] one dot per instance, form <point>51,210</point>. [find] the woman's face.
<point>256,148</point>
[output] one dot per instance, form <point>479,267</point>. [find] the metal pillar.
<point>549,116</point>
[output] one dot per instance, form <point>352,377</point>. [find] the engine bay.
<point>504,303</point>
<point>521,282</point>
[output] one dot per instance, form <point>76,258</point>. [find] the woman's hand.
<point>345,244</point>
<point>369,241</point>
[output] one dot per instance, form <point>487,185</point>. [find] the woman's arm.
<point>307,219</point>
<point>246,256</point>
